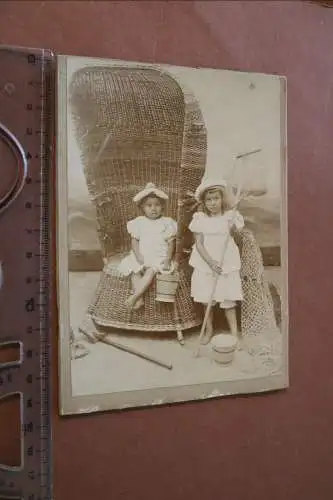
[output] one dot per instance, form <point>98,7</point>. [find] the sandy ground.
<point>106,369</point>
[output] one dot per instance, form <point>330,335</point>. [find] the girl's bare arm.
<point>171,251</point>
<point>136,251</point>
<point>199,241</point>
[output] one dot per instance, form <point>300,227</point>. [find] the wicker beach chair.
<point>133,126</point>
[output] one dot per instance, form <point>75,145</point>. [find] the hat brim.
<point>146,192</point>
<point>208,185</point>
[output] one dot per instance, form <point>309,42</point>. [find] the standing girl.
<point>153,243</point>
<point>211,230</point>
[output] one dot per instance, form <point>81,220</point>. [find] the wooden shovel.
<point>103,337</point>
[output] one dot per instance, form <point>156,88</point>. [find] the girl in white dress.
<point>153,243</point>
<point>211,230</point>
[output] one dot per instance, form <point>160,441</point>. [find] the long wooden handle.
<point>243,155</point>
<point>103,338</point>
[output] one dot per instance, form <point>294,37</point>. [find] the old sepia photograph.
<point>171,234</point>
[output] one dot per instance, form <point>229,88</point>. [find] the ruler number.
<point>9,378</point>
<point>29,131</point>
<point>29,403</point>
<point>29,353</point>
<point>35,84</point>
<point>29,378</point>
<point>31,59</point>
<point>30,305</point>
<point>37,107</point>
<point>28,428</point>
<point>30,451</point>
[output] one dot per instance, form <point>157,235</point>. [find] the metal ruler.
<point>26,137</point>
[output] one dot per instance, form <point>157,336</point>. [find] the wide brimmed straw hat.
<point>150,188</point>
<point>208,184</point>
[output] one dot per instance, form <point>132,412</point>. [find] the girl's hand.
<point>140,259</point>
<point>166,265</point>
<point>216,267</point>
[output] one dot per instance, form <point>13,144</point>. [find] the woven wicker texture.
<point>133,126</point>
<point>138,125</point>
<point>257,308</point>
<point>107,308</point>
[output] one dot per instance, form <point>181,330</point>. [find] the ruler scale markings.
<point>33,482</point>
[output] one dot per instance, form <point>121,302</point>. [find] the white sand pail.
<point>166,287</point>
<point>224,347</point>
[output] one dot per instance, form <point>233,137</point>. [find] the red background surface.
<point>276,446</point>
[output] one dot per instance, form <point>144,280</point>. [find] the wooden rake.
<point>239,197</point>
